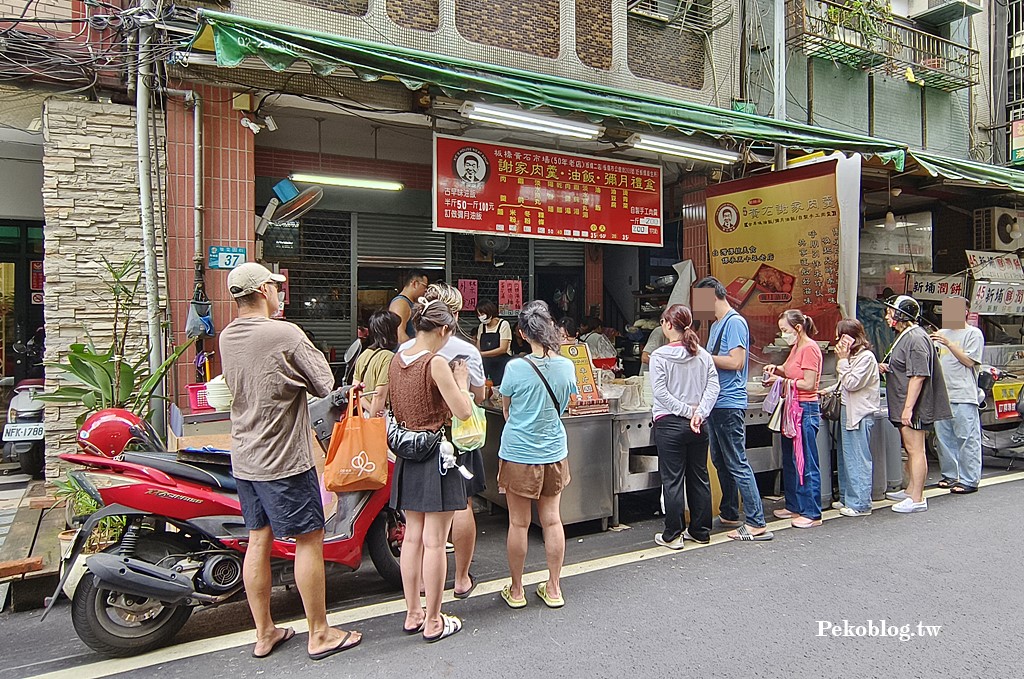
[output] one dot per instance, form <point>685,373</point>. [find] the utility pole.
<point>779,74</point>
<point>143,93</point>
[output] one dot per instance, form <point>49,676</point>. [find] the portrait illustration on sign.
<point>471,166</point>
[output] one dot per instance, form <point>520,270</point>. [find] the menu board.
<point>510,297</point>
<point>994,266</point>
<point>774,242</point>
<point>539,193</point>
<point>993,298</point>
<point>469,287</point>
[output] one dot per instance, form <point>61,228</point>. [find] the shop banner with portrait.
<point>484,188</point>
<point>774,242</point>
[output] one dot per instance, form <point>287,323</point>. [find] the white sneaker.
<point>897,495</point>
<point>848,511</point>
<point>687,536</point>
<point>908,506</point>
<point>838,505</point>
<point>674,544</point>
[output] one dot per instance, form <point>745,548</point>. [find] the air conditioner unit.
<point>941,12</point>
<point>992,226</point>
<point>652,10</point>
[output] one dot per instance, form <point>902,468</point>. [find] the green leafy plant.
<point>872,19</point>
<point>79,503</point>
<point>106,377</point>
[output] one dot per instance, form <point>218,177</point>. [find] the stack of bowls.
<point>217,394</point>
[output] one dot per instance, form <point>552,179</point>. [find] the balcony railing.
<point>830,30</point>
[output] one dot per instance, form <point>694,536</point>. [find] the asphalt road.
<point>726,610</point>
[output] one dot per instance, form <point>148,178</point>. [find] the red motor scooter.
<point>184,537</point>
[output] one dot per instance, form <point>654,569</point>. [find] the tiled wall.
<point>229,214</point>
<point>278,163</point>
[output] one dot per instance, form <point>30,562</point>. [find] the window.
<point>694,15</point>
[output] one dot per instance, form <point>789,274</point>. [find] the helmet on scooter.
<point>906,308</point>
<point>108,432</point>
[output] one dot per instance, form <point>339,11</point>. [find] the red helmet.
<point>108,432</point>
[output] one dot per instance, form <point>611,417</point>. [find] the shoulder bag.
<point>409,444</point>
<point>831,403</point>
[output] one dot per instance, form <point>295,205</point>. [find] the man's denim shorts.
<point>290,506</point>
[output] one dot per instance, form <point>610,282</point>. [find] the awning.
<point>234,38</point>
<point>969,170</point>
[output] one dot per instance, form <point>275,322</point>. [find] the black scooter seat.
<point>212,475</point>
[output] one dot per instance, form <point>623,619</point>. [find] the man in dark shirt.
<point>916,395</point>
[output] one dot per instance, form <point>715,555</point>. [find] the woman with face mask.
<point>801,370</point>
<point>494,339</point>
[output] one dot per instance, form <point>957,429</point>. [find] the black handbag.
<point>831,404</point>
<point>415,446</point>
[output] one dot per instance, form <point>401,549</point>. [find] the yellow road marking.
<point>106,668</point>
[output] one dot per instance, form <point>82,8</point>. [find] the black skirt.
<point>420,487</point>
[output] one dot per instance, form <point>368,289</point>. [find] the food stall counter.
<point>588,496</point>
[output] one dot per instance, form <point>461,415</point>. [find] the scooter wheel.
<point>383,542</point>
<point>33,462</point>
<point>120,625</point>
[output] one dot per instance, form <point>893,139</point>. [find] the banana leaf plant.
<point>99,378</point>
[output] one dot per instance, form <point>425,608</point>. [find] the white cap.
<point>247,278</point>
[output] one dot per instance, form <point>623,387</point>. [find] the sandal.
<point>289,634</point>
<point>506,594</point>
<point>417,630</point>
<point>946,483</point>
<point>784,514</point>
<point>743,534</point>
<point>804,522</point>
<point>343,645</point>
<point>472,586</point>
<point>549,601</point>
<point>963,489</point>
<point>450,626</point>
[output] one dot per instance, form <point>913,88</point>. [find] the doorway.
<point>21,305</point>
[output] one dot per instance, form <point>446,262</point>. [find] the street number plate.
<point>222,257</point>
<point>30,431</point>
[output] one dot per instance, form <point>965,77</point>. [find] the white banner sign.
<point>936,286</point>
<point>997,299</point>
<point>995,266</point>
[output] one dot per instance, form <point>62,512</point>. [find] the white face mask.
<point>789,338</point>
<point>483,319</point>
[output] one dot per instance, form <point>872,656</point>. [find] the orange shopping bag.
<point>358,456</point>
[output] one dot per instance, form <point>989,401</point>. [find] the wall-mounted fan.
<point>288,204</point>
<point>488,245</point>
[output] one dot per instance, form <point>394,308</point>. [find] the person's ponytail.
<point>691,341</point>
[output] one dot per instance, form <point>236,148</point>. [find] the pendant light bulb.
<point>890,221</point>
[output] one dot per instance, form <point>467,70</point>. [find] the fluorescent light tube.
<point>348,182</point>
<point>507,117</point>
<point>680,148</point>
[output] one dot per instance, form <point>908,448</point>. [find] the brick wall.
<point>42,9</point>
<point>352,7</point>
<point>229,215</point>
<point>665,54</point>
<point>529,26</point>
<point>421,15</point>
<point>278,163</point>
<point>91,204</point>
<point>593,33</point>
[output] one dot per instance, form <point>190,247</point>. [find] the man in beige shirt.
<point>270,366</point>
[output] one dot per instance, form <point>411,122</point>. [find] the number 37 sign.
<point>222,257</point>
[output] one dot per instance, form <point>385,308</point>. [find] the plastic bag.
<point>771,401</point>
<point>199,321</point>
<point>792,428</point>
<point>470,434</point>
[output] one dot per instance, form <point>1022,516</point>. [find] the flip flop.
<point>549,601</point>
<point>289,633</point>
<point>337,649</point>
<point>472,586</point>
<point>409,630</point>
<point>506,594</point>
<point>946,483</point>
<point>961,489</point>
<point>451,626</point>
<point>784,514</point>
<point>727,522</point>
<point>743,534</point>
<point>804,522</point>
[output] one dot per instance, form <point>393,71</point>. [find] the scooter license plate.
<point>24,431</point>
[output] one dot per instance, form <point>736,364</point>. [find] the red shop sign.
<point>535,193</point>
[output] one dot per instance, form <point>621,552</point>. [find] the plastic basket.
<point>605,363</point>
<point>197,397</point>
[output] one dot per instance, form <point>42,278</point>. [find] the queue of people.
<point>416,365</point>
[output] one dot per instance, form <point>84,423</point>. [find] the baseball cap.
<point>247,278</point>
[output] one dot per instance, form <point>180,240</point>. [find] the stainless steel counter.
<point>588,496</point>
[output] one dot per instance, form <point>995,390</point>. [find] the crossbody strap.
<point>721,335</point>
<point>551,392</point>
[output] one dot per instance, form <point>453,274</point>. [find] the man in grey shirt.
<point>270,366</point>
<point>959,449</point>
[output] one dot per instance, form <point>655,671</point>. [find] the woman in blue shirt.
<point>533,464</point>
